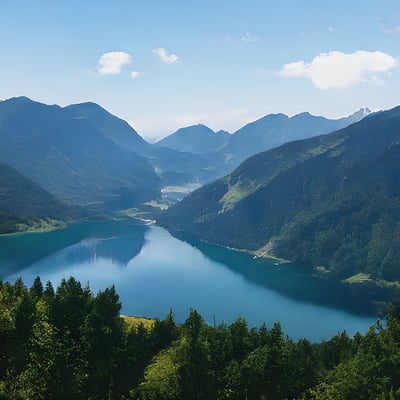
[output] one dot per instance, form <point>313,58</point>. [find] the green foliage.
<point>72,344</point>
<point>161,379</point>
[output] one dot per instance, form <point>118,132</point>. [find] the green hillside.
<point>24,205</point>
<point>331,201</point>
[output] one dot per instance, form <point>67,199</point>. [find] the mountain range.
<point>84,155</point>
<point>226,151</point>
<point>331,200</point>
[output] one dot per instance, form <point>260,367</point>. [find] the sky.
<point>165,64</point>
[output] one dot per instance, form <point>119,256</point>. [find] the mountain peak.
<point>304,115</point>
<point>361,113</point>
<point>196,127</point>
<point>272,117</point>
<point>24,100</point>
<point>21,99</point>
<point>86,105</point>
<point>198,139</point>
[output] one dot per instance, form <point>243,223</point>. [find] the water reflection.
<point>293,281</point>
<point>153,272</point>
<point>119,241</point>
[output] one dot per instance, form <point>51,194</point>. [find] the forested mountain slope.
<point>74,153</point>
<point>332,200</point>
<point>23,203</point>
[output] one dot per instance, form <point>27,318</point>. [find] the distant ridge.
<point>198,139</point>
<point>226,151</point>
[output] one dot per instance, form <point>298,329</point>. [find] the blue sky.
<point>165,64</point>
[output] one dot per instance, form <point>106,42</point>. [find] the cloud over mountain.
<point>340,70</point>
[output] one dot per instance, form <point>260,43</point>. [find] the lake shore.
<point>37,226</point>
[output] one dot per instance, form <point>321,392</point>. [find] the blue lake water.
<point>154,272</point>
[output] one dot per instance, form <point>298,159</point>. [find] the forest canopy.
<point>68,343</point>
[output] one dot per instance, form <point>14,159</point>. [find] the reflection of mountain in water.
<point>119,250</point>
<point>293,281</point>
<point>116,240</point>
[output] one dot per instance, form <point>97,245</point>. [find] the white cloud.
<point>134,74</point>
<point>339,70</point>
<point>249,38</point>
<point>112,62</point>
<point>161,53</point>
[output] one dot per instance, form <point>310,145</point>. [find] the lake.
<point>154,272</point>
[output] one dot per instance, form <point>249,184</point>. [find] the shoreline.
<point>39,229</point>
<point>257,254</point>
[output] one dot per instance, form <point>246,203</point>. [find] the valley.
<point>320,193</point>
<point>200,200</point>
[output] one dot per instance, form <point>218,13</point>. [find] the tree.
<point>101,336</point>
<point>41,380</point>
<point>36,289</point>
<point>161,379</point>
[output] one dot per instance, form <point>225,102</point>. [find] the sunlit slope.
<point>332,200</point>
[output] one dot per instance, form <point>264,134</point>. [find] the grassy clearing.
<point>267,252</point>
<point>358,278</point>
<point>322,269</point>
<point>236,193</point>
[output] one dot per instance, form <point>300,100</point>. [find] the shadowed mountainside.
<point>76,153</point>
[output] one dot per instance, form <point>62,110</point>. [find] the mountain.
<point>332,201</point>
<point>191,155</point>
<point>81,153</point>
<point>23,202</point>
<point>276,129</point>
<point>114,128</point>
<point>84,155</point>
<point>221,152</point>
<point>197,139</point>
